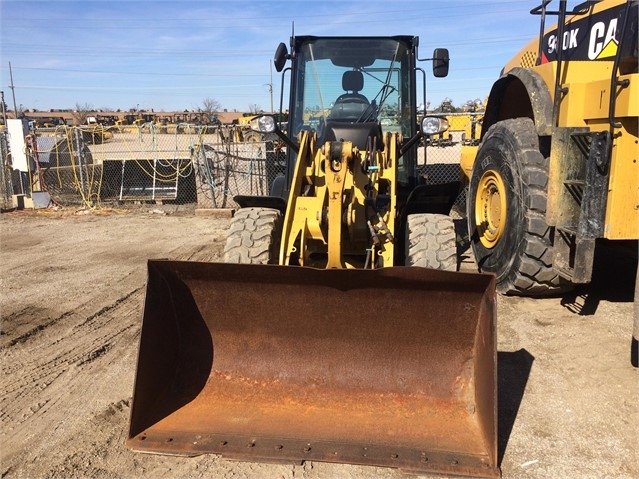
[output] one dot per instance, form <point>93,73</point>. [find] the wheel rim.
<point>252,137</point>
<point>490,208</point>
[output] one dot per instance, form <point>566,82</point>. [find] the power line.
<point>204,75</point>
<point>216,23</point>
<point>113,72</point>
<point>40,49</point>
<point>134,89</point>
<point>37,48</point>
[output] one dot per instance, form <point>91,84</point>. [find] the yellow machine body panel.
<point>599,38</point>
<point>468,154</point>
<point>328,201</point>
<point>586,79</point>
<point>586,104</point>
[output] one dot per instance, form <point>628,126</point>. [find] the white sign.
<point>16,130</point>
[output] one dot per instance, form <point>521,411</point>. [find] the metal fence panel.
<point>181,164</point>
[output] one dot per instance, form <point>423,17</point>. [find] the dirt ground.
<point>72,290</point>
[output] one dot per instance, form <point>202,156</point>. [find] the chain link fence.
<point>205,166</point>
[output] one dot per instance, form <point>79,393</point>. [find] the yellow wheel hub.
<point>490,208</point>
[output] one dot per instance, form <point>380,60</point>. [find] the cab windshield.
<point>363,81</point>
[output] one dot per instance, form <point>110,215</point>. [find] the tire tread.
<point>253,236</point>
<point>431,241</point>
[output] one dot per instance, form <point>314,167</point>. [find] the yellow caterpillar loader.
<point>557,170</point>
<point>338,328</point>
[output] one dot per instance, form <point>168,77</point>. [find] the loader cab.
<point>352,88</point>
<point>352,81</point>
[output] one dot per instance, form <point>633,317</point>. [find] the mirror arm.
<point>410,143</point>
<point>290,143</point>
<point>282,88</point>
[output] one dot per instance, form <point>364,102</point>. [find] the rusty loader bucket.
<point>394,367</point>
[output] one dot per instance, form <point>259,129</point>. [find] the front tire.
<point>430,241</point>
<point>506,211</point>
<point>254,236</point>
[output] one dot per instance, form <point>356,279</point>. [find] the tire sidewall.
<point>500,153</point>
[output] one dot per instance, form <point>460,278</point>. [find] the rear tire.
<point>430,241</point>
<point>507,208</point>
<point>254,236</point>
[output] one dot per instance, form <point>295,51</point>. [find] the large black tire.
<point>254,236</point>
<point>506,211</point>
<point>430,241</point>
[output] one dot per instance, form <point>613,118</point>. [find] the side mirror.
<point>281,55</point>
<point>440,62</point>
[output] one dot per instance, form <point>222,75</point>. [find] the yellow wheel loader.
<point>557,170</point>
<point>338,328</point>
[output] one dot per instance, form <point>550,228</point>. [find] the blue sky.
<point>171,55</point>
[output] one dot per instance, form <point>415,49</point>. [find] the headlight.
<point>263,124</point>
<point>432,125</point>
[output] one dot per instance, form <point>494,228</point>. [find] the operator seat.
<point>352,81</point>
<point>352,116</point>
<point>350,106</point>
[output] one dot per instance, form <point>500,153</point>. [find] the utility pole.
<point>13,93</point>
<point>3,105</point>
<point>270,85</point>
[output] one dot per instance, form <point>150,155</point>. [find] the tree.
<point>81,112</point>
<point>423,107</point>
<point>210,106</point>
<point>255,109</point>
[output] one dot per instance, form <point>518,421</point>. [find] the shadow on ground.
<point>513,370</point>
<point>613,278</point>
